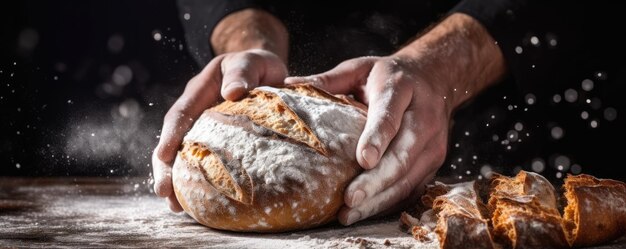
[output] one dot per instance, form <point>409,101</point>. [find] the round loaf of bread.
<point>277,160</point>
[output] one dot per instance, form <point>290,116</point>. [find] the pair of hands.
<point>410,96</point>
<point>402,146</point>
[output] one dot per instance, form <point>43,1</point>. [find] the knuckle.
<point>236,60</point>
<point>363,181</point>
<point>403,168</point>
<point>254,56</point>
<point>172,114</point>
<point>155,156</point>
<point>162,154</point>
<point>406,187</point>
<point>363,60</point>
<point>389,64</point>
<point>321,79</point>
<point>160,188</point>
<point>389,122</point>
<point>235,70</point>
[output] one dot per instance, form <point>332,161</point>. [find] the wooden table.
<point>123,213</point>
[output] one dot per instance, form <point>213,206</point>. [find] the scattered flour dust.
<point>368,234</point>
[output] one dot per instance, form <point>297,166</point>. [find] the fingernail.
<point>370,154</point>
<point>234,85</point>
<point>357,197</point>
<point>292,79</point>
<point>353,216</point>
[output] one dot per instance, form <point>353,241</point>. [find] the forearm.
<point>458,56</point>
<point>249,29</point>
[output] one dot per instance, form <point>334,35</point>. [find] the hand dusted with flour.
<point>277,160</point>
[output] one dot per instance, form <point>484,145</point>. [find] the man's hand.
<point>253,50</point>
<point>405,136</point>
<point>235,73</point>
<point>411,96</point>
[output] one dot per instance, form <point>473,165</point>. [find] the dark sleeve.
<point>541,39</point>
<point>199,18</point>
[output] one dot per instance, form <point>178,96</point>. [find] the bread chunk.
<point>595,211</point>
<point>456,217</point>
<point>524,211</point>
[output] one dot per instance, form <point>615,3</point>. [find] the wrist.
<point>457,57</point>
<point>250,29</point>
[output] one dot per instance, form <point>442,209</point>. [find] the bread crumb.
<point>387,242</point>
<point>407,221</point>
<point>420,234</point>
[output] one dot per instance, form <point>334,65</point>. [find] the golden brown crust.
<point>311,91</point>
<point>434,191</point>
<point>217,173</point>
<point>524,212</point>
<point>420,234</point>
<point>267,109</point>
<point>596,210</point>
<point>308,90</point>
<point>460,222</point>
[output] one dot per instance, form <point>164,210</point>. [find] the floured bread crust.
<point>596,210</point>
<point>522,213</point>
<point>274,161</point>
<point>461,223</point>
<point>456,217</point>
<point>268,110</point>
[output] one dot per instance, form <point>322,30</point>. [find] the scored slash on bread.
<point>307,90</point>
<point>524,213</point>
<point>269,110</point>
<point>218,173</point>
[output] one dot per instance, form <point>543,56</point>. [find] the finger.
<point>396,193</point>
<point>162,176</point>
<point>342,79</point>
<point>406,150</point>
<point>244,71</point>
<point>200,93</point>
<point>240,75</point>
<point>389,96</point>
<point>412,200</point>
<point>173,203</point>
<point>393,165</point>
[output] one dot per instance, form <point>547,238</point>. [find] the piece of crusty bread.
<point>596,210</point>
<point>277,160</point>
<point>461,223</point>
<point>524,211</point>
<point>458,214</point>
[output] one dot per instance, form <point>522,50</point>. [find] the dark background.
<point>84,86</point>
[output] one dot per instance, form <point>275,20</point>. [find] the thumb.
<point>244,71</point>
<point>342,79</point>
